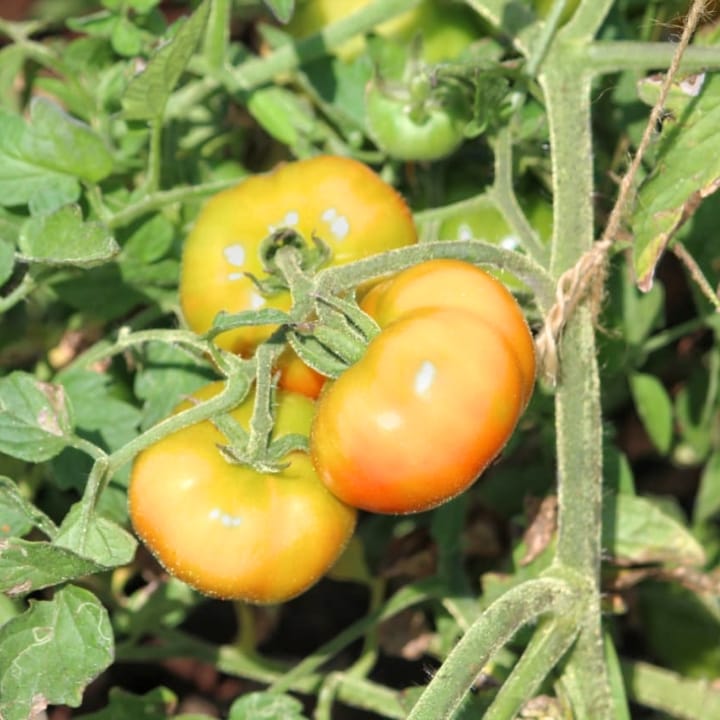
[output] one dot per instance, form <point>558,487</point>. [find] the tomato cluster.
<point>432,400</point>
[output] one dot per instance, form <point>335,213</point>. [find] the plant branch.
<point>577,402</point>
<point>604,57</point>
<point>498,624</point>
<point>343,277</point>
<point>549,643</point>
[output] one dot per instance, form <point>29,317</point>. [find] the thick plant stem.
<point>517,607</point>
<point>550,642</point>
<point>577,404</point>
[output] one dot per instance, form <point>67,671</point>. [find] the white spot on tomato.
<point>424,378</point>
<point>225,519</point>
<point>235,254</point>
<point>340,227</point>
<point>291,218</point>
<point>339,224</point>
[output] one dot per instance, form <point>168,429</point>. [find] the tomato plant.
<point>446,28</point>
<point>415,421</point>
<point>231,531</point>
<point>337,199</point>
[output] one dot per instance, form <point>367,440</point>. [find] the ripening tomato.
<point>456,284</point>
<point>296,376</point>
<point>231,531</point>
<point>446,27</point>
<point>416,420</point>
<point>337,199</point>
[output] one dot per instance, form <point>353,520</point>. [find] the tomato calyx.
<point>338,337</point>
<point>310,257</point>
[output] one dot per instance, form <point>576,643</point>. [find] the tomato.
<point>447,28</point>
<point>228,530</point>
<point>417,419</point>
<point>296,376</point>
<point>338,199</point>
<point>437,133</point>
<point>456,284</point>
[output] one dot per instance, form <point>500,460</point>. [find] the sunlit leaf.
<point>149,91</point>
<point>687,170</point>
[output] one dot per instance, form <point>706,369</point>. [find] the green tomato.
<point>436,134</point>
<point>484,222</point>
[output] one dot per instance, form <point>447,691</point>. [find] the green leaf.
<point>282,113</point>
<point>36,420</point>
<point>687,170</point>
<point>18,515</point>
<point>98,411</point>
<point>126,38</point>
<point>281,9</point>
<point>100,292</point>
<point>707,500</point>
<point>266,706</point>
<point>167,374</point>
<point>41,162</point>
<point>151,241</point>
<point>681,628</point>
<point>62,238</point>
<point>655,409</point>
<point>51,652</point>
<point>96,538</point>
<point>148,92</point>
<point>28,566</point>
<point>122,705</point>
<point>636,530</point>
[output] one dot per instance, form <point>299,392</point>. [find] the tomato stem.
<point>495,627</point>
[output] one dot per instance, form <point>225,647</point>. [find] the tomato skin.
<point>451,283</point>
<point>339,199</point>
<point>228,530</point>
<point>296,376</point>
<point>417,419</point>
